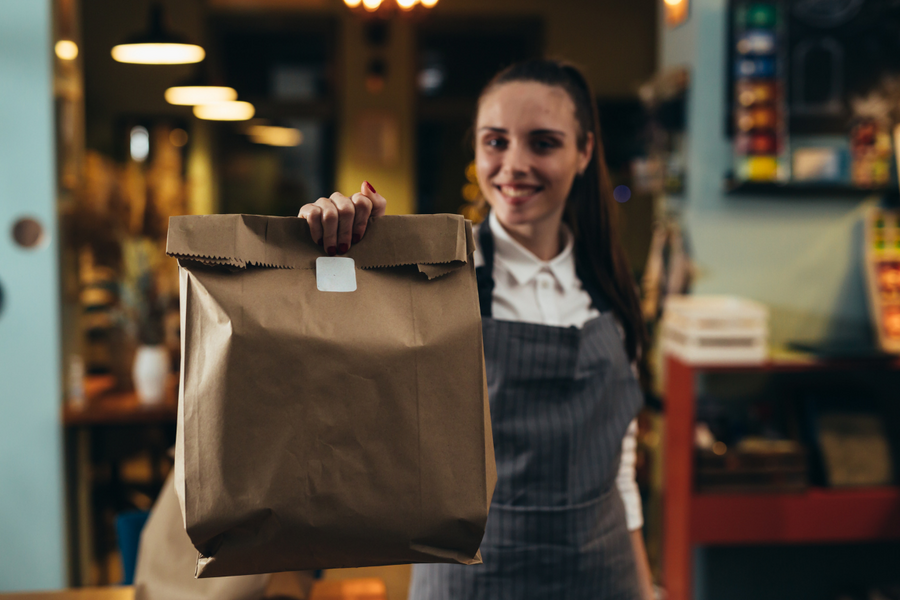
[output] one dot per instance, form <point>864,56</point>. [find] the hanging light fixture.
<point>225,111</point>
<point>192,95</point>
<point>157,46</point>
<point>201,88</point>
<point>372,6</point>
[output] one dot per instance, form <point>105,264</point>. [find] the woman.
<point>554,282</point>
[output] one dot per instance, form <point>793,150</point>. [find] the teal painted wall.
<point>800,256</point>
<point>32,529</point>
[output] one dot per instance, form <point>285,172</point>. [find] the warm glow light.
<point>428,3</point>
<point>66,49</point>
<point>275,136</point>
<point>192,95</point>
<point>178,137</point>
<point>407,4</point>
<point>352,3</point>
<point>673,2</point>
<point>158,54</point>
<point>371,5</point>
<point>225,111</point>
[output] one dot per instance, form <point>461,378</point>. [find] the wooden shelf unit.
<point>705,519</point>
<point>106,406</point>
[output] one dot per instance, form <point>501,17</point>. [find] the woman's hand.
<point>339,221</point>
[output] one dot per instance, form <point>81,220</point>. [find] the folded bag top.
<point>437,243</point>
<point>321,430</point>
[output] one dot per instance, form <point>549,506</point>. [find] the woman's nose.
<point>516,160</point>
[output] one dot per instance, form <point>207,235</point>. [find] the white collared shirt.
<point>548,292</point>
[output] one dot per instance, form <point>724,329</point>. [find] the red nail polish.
<point>321,242</point>
<point>356,238</point>
<point>331,250</point>
<point>369,185</point>
<point>342,249</point>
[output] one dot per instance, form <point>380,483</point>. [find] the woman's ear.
<point>585,154</point>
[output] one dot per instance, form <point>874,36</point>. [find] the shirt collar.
<point>523,265</point>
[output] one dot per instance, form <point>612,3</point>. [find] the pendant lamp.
<point>156,46</point>
<point>385,7</point>
<point>234,110</point>
<point>192,95</point>
<point>200,89</point>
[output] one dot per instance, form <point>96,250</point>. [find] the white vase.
<point>150,372</point>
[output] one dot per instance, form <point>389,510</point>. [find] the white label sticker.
<point>335,274</point>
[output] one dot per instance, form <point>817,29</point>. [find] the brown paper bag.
<point>321,429</point>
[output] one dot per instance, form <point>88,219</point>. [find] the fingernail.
<point>321,242</point>
<point>356,238</point>
<point>331,250</point>
<point>342,249</point>
<point>369,185</point>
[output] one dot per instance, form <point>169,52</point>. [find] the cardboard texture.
<point>330,429</point>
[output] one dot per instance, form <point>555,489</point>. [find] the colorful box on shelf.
<point>715,330</point>
<point>882,257</point>
<point>759,107</point>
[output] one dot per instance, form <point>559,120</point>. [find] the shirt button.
<point>545,284</point>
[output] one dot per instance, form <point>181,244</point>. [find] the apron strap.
<point>484,275</point>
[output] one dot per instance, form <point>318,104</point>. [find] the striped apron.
<point>561,401</point>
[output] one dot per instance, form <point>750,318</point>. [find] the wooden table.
<point>103,593</point>
<point>104,407</point>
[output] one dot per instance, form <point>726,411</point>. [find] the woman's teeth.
<point>516,192</point>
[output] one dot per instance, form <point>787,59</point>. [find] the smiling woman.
<point>539,159</point>
<point>553,282</point>
<point>529,148</point>
<point>555,291</point>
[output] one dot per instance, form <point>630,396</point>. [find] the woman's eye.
<point>496,143</point>
<point>545,144</point>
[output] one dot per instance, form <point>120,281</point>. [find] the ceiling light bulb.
<point>192,95</point>
<point>371,5</point>
<point>225,111</point>
<point>158,54</point>
<point>429,3</point>
<point>66,49</point>
<point>673,2</point>
<point>407,4</point>
<point>352,3</point>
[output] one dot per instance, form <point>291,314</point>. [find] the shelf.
<point>799,364</point>
<point>832,190</point>
<point>817,515</point>
<point>104,406</point>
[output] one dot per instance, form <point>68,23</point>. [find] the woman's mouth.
<point>517,194</point>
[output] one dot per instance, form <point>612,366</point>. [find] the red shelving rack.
<point>703,519</point>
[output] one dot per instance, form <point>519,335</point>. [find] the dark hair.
<point>590,209</point>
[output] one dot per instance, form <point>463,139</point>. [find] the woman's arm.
<point>645,578</point>
<point>631,498</point>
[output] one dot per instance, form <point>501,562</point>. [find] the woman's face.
<point>526,151</point>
